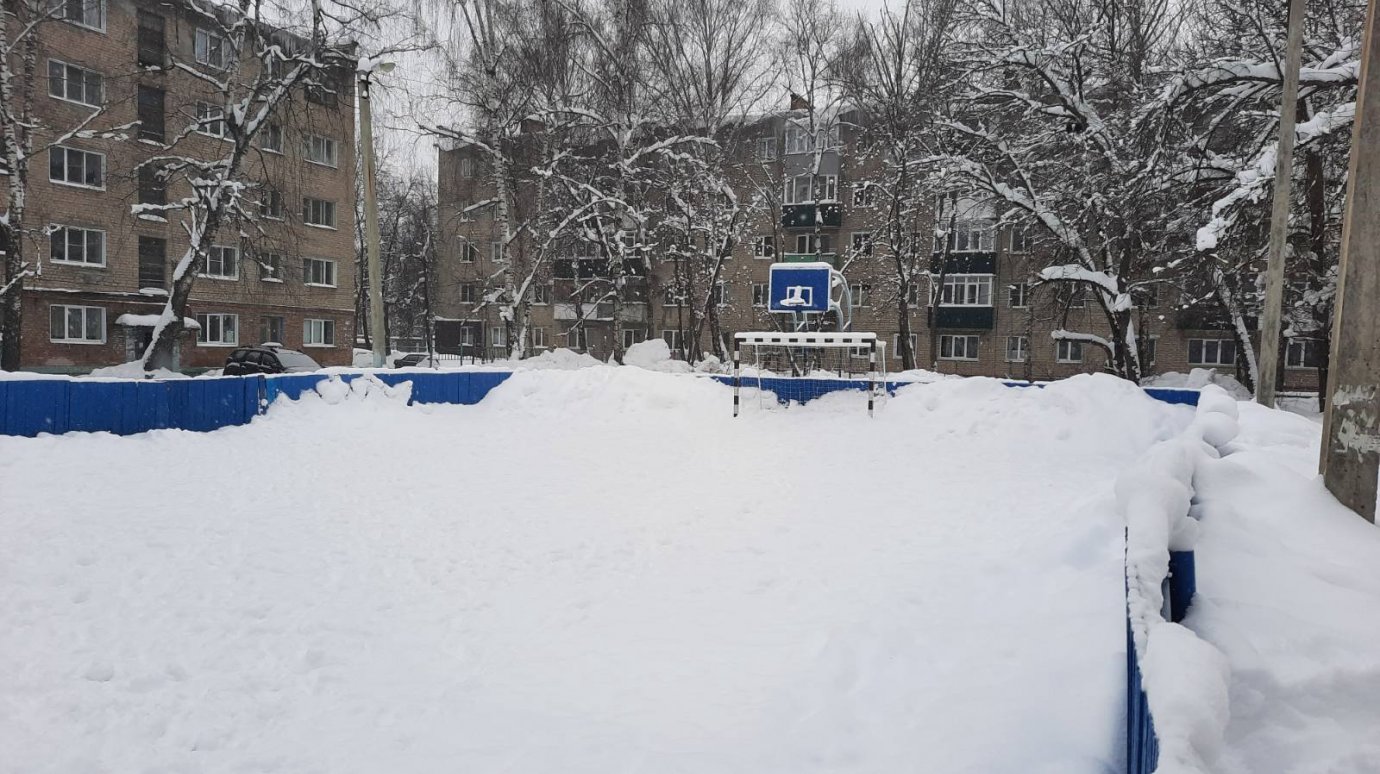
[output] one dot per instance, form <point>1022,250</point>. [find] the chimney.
<point>798,102</point>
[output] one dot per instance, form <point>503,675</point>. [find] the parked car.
<point>268,360</point>
<point>414,360</point>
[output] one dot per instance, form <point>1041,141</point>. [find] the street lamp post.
<point>377,333</point>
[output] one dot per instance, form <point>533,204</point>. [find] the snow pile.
<point>1288,589</point>
<point>590,571</point>
<point>335,390</point>
<point>561,359</point>
<point>655,355</point>
<point>1185,678</point>
<point>1197,379</point>
<point>134,370</point>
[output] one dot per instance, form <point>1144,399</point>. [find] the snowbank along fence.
<point>124,407</point>
<point>1176,698</point>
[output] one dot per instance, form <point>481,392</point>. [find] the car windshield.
<point>296,361</point>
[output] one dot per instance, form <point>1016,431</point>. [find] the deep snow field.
<point>590,571</point>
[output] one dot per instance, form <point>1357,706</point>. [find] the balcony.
<point>968,318</point>
<point>803,216</point>
<point>830,258</point>
<point>567,312</point>
<point>1207,318</point>
<point>967,263</point>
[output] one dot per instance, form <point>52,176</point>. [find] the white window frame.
<point>798,139</point>
<point>580,336</point>
<point>469,251</point>
<point>329,267</point>
<point>67,310</point>
<point>204,320</point>
<point>99,5</point>
<point>321,150</point>
<point>819,188</point>
<point>1304,343</point>
<point>220,251</point>
<point>1218,361</point>
<point>1068,351</point>
<point>465,167</point>
<point>967,286</point>
<point>315,330</point>
<point>201,49</point>
<point>271,197</point>
<point>1018,246</point>
<point>274,276</point>
<point>86,154</point>
<point>210,120</point>
<point>947,342</point>
<point>764,247</point>
<point>65,230</point>
<point>760,293</point>
<point>969,236</point>
<point>1024,295</point>
<point>720,295</point>
<point>538,337</point>
<point>766,148</point>
<point>270,132</point>
<point>471,289</point>
<point>496,251</point>
<point>498,337</point>
<point>861,294</point>
<point>308,214</point>
<point>896,344</point>
<point>808,244</point>
<point>67,68</point>
<point>1022,349</point>
<point>672,337</point>
<point>541,294</point>
<point>867,242</point>
<point>864,195</point>
<point>633,336</point>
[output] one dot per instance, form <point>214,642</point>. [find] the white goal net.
<point>799,366</point>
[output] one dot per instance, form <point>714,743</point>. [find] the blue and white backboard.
<point>799,287</point>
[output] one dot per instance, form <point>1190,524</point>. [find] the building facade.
<point>285,274</point>
<point>988,317</point>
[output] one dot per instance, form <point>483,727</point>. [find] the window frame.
<point>277,274</point>
<point>208,115</point>
<point>761,293</point>
<point>764,247</point>
<point>203,319</point>
<point>980,282</point>
<point>1305,343</point>
<point>867,248</point>
<point>1202,349</point>
<point>66,324</point>
<point>896,344</point>
<point>1024,295</point>
<point>203,55</point>
<point>64,228</point>
<point>67,67</point>
<point>308,214</point>
<point>765,148</point>
<point>100,5</point>
<point>1064,350</point>
<point>65,149</point>
<point>1023,348</point>
<point>220,251</point>
<point>323,325</point>
<point>332,265</point>
<point>272,129</point>
<point>970,353</point>
<point>326,142</point>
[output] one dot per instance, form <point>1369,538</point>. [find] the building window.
<point>1303,353</point>
<point>271,206</point>
<point>469,251</point>
<point>814,243</point>
<point>759,294</point>
<point>151,121</point>
<point>1017,349</point>
<point>541,294</point>
<point>967,237</point>
<point>805,189</point>
<point>633,336</point>
<point>764,247</point>
<point>271,330</point>
<point>966,290</point>
<point>218,330</point>
<point>318,333</point>
<point>539,338</point>
<point>466,167</point>
<point>152,189</point>
<point>270,267</point>
<point>576,337</point>
<point>496,251</point>
<point>271,138</point>
<point>914,340</point>
<point>766,148</point>
<point>672,297</point>
<point>83,13</point>
<point>210,119</point>
<point>1020,295</point>
<point>864,195</point>
<point>1212,352</point>
<point>673,340</point>
<point>319,150</point>
<point>1066,351</point>
<point>1148,350</point>
<point>957,347</point>
<point>318,212</point>
<point>1020,240</point>
<point>798,139</point>
<point>222,262</point>
<point>75,84</point>
<point>1147,296</point>
<point>318,272</point>
<point>719,294</point>
<point>913,293</point>
<point>862,294</point>
<point>211,50</point>
<point>153,47</point>
<point>861,242</point>
<point>85,246</point>
<point>76,324</point>
<point>1071,294</point>
<point>70,166</point>
<point>469,293</point>
<point>153,262</point>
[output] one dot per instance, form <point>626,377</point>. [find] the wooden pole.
<point>1279,215</point>
<point>1351,422</point>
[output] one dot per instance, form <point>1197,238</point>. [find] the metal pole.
<point>377,335</point>
<point>1351,421</point>
<point>1279,215</point>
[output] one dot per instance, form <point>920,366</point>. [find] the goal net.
<point>799,366</point>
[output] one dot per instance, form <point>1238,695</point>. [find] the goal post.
<point>798,353</point>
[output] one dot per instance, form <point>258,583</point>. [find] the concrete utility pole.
<point>1279,216</point>
<point>1351,424</point>
<point>377,333</point>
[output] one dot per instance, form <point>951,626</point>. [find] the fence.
<point>804,390</point>
<point>1142,746</point>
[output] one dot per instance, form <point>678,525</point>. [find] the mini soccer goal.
<point>800,365</point>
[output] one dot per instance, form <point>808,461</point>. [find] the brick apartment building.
<point>990,320</point>
<point>105,271</point>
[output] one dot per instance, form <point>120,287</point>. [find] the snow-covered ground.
<point>592,570</point>
<point>1289,591</point>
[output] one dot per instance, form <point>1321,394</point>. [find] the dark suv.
<point>267,360</point>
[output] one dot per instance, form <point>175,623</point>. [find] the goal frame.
<point>809,339</point>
